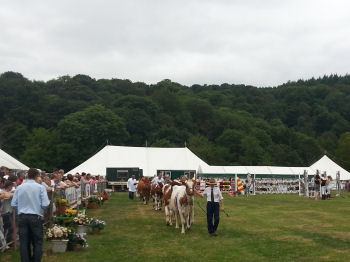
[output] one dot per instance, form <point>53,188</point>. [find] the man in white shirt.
<point>214,195</point>
<point>131,185</point>
<point>157,179</point>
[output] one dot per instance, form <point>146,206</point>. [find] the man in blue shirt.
<point>30,200</point>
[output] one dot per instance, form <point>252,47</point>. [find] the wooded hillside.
<point>62,122</point>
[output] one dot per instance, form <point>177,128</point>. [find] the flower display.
<point>82,219</point>
<point>70,212</point>
<point>77,239</point>
<point>57,232</point>
<point>99,224</point>
<point>62,202</point>
<point>95,199</point>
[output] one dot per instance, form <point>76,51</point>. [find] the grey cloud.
<point>260,43</point>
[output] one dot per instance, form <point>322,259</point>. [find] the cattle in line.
<point>167,190</point>
<point>157,194</point>
<point>181,204</point>
<point>191,187</point>
<point>144,189</point>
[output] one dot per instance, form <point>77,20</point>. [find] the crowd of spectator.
<point>10,180</point>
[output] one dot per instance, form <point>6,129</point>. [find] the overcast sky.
<point>253,42</point>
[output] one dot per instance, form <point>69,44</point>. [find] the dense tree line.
<point>62,122</point>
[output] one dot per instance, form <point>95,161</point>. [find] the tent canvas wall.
<point>259,171</point>
<point>149,159</point>
<point>10,162</point>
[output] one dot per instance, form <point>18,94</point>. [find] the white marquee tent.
<point>325,164</point>
<point>149,159</point>
<point>10,162</point>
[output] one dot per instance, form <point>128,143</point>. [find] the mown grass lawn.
<point>259,228</point>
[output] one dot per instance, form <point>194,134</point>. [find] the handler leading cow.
<point>214,195</point>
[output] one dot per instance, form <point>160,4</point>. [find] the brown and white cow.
<point>157,193</point>
<point>144,189</point>
<point>167,190</point>
<point>181,203</point>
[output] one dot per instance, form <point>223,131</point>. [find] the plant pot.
<point>73,247</point>
<point>60,210</point>
<point>95,230</point>
<point>59,246</point>
<point>93,206</point>
<point>82,229</point>
<point>64,220</point>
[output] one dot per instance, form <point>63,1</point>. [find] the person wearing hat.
<point>214,196</point>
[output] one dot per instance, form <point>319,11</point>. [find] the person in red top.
<point>21,176</point>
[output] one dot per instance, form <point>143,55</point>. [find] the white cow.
<point>181,204</point>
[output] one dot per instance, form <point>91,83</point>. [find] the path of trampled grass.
<point>259,228</point>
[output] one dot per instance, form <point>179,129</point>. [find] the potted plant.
<point>96,225</point>
<point>75,240</point>
<point>82,221</point>
<point>67,216</point>
<point>94,202</point>
<point>105,197</point>
<point>61,205</point>
<point>58,235</point>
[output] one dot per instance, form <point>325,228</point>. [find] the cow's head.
<point>190,187</point>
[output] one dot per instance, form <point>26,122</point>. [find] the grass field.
<point>259,228</point>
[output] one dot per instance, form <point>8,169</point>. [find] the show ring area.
<point>270,212</point>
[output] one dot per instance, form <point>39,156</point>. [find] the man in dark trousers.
<point>214,195</point>
<point>132,186</point>
<point>30,200</point>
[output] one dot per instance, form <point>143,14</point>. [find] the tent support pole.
<point>254,183</point>
<point>306,184</point>
<point>236,187</point>
<point>338,185</point>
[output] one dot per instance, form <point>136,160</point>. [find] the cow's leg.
<point>170,216</point>
<point>182,217</point>
<point>160,204</point>
<point>177,219</point>
<point>154,203</point>
<point>192,214</point>
<point>188,216</point>
<point>167,215</point>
